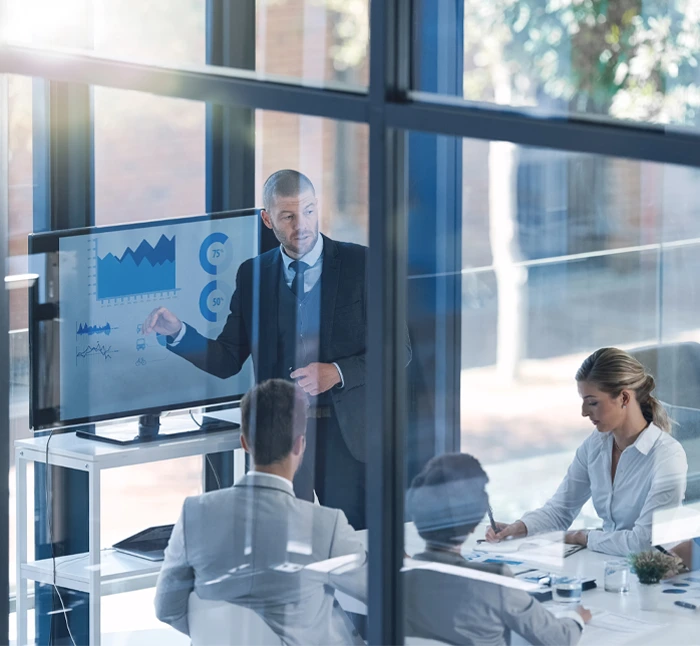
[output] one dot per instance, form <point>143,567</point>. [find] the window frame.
<point>391,108</point>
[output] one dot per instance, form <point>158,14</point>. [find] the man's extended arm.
<point>224,356</point>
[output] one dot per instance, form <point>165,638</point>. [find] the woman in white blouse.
<point>630,466</point>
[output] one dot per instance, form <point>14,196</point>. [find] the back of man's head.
<point>448,499</point>
<point>273,417</point>
<point>285,183</point>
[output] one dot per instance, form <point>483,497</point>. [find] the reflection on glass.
<point>625,60</point>
<point>149,156</point>
<point>314,41</point>
<point>542,259</point>
<point>20,203</point>
<point>459,595</point>
<point>255,558</point>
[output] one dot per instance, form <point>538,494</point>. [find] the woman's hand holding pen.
<point>514,530</point>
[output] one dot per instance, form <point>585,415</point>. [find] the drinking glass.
<point>566,590</point>
<point>617,576</point>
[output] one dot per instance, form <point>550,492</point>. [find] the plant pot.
<point>648,594</point>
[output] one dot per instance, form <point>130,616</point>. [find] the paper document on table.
<point>610,628</point>
<point>547,549</point>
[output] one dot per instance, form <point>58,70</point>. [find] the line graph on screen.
<point>146,270</point>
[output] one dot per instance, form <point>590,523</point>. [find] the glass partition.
<point>627,61</point>
<point>544,258</point>
<point>316,42</point>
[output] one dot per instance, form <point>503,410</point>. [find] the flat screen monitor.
<point>90,360</point>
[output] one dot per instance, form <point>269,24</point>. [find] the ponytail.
<point>655,413</point>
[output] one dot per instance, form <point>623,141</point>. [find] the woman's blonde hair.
<point>613,370</point>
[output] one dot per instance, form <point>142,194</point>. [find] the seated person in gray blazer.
<point>446,501</point>
<point>255,544</point>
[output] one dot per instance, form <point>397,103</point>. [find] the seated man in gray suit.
<point>446,501</point>
<point>255,544</point>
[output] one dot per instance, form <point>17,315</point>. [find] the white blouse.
<point>651,475</point>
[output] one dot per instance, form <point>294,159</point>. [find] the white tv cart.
<point>99,572</point>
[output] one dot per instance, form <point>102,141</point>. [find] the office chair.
<point>219,623</point>
<point>676,370</point>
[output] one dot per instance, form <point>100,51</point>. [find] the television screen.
<point>90,358</point>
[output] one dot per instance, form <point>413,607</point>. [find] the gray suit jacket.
<point>458,610</point>
<point>251,545</point>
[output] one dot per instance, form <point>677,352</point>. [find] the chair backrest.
<point>676,370</point>
<point>218,623</point>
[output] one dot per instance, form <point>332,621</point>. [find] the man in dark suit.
<point>300,312</point>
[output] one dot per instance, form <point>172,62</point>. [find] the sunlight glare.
<point>47,23</point>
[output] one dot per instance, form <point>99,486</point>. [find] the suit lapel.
<point>329,290</point>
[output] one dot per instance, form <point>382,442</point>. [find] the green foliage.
<point>652,566</point>
<point>634,59</point>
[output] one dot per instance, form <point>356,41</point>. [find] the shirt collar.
<point>311,258</point>
<point>647,438</point>
<point>257,475</point>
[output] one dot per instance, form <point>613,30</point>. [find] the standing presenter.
<point>300,311</point>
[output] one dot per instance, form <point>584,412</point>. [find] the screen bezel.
<point>42,419</point>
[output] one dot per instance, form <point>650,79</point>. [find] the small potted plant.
<point>650,567</point>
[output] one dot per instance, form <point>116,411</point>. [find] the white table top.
<point>66,449</point>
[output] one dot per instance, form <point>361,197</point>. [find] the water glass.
<point>617,576</point>
<point>566,590</point>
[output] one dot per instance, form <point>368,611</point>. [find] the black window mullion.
<point>386,358</point>
<point>219,87</point>
<point>230,147</point>
<point>651,143</point>
<point>63,148</point>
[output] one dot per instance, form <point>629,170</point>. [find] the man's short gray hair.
<point>285,183</point>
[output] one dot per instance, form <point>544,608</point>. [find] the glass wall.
<point>554,256</point>
<point>632,61</point>
<point>149,166</point>
<point>517,260</point>
<point>149,156</point>
<point>20,196</point>
<point>320,42</point>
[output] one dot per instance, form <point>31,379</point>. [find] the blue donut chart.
<point>214,301</point>
<point>215,253</point>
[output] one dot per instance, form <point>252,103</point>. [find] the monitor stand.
<point>151,428</point>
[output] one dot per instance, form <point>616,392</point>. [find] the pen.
<point>494,527</point>
<point>685,604</point>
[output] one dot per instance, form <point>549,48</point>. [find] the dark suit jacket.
<point>252,329</point>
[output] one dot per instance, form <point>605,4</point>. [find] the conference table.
<point>617,618</point>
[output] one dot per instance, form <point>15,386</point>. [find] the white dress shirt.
<point>651,475</point>
<point>313,258</point>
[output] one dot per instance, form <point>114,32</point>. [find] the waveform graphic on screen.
<point>84,329</point>
<point>95,350</point>
<point>144,271</point>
